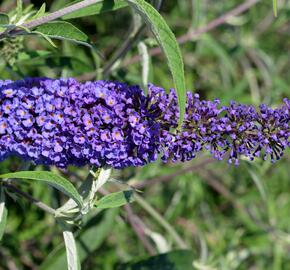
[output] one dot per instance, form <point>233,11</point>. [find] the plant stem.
<point>54,15</point>
<point>149,209</point>
<point>60,13</point>
<point>32,200</point>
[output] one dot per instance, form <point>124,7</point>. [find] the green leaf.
<point>146,64</point>
<point>91,237</point>
<point>175,260</point>
<point>4,19</point>
<point>115,199</point>
<point>40,12</point>
<point>73,262</point>
<point>19,9</point>
<point>63,31</point>
<point>168,43</point>
<point>100,7</point>
<point>47,38</point>
<point>3,213</point>
<point>49,178</point>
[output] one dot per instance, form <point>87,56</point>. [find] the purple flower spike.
<point>61,122</point>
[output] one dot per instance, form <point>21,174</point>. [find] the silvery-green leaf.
<point>63,31</point>
<point>19,9</point>
<point>3,213</point>
<point>90,239</point>
<point>115,199</point>
<point>104,176</point>
<point>73,262</point>
<point>168,43</point>
<point>40,12</point>
<point>49,178</point>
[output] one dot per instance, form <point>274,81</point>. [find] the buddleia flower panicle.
<point>62,122</point>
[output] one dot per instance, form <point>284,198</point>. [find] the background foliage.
<point>227,217</point>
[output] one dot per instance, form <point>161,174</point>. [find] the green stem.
<point>150,210</point>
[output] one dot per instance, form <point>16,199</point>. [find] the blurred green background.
<point>227,217</point>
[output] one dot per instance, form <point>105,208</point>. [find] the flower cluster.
<point>62,122</point>
<point>236,129</point>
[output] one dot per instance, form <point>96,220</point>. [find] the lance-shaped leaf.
<point>49,178</point>
<point>115,199</point>
<point>168,43</point>
<point>73,262</point>
<point>3,213</point>
<point>40,12</point>
<point>63,31</point>
<point>92,235</point>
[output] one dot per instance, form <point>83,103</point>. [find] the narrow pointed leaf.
<point>168,43</point>
<point>47,38</point>
<point>19,9</point>
<point>63,31</point>
<point>90,239</point>
<point>40,12</point>
<point>73,262</point>
<point>49,178</point>
<point>3,213</point>
<point>115,199</point>
<point>103,178</point>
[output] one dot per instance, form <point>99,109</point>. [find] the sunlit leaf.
<point>115,199</point>
<point>49,178</point>
<point>168,43</point>
<point>91,237</point>
<point>63,31</point>
<point>40,12</point>
<point>19,9</point>
<point>3,213</point>
<point>73,262</point>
